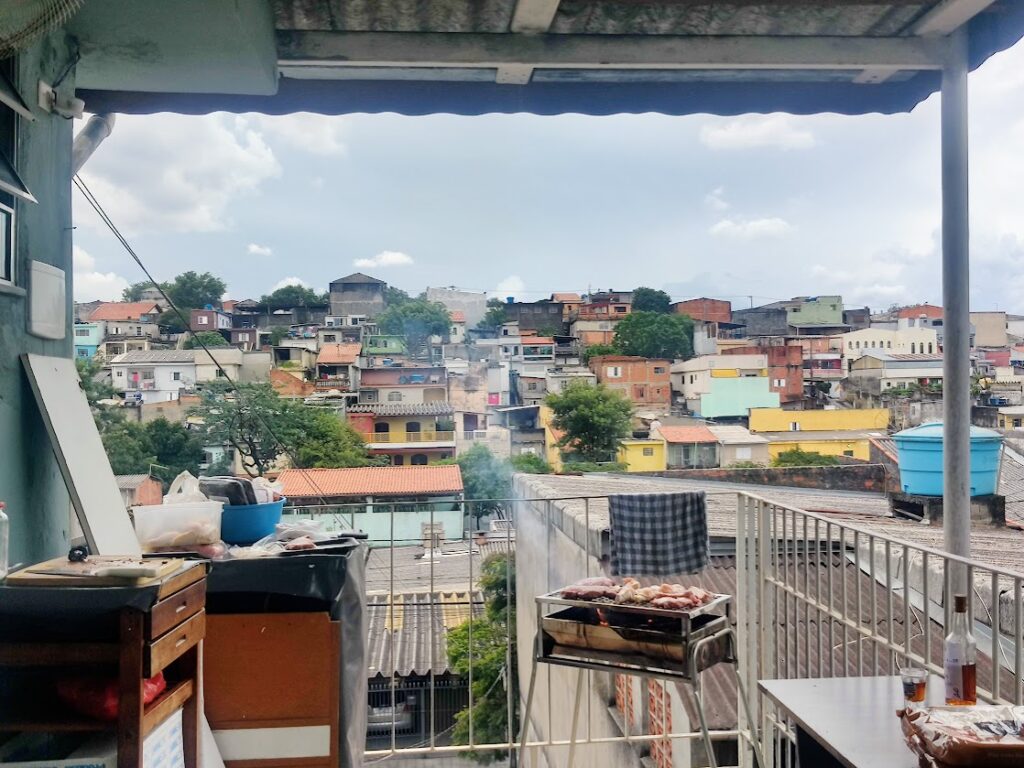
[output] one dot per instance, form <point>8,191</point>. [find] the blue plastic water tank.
<point>920,457</point>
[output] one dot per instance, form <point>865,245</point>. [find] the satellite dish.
<point>22,22</point>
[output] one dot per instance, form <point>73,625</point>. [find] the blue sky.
<point>754,208</point>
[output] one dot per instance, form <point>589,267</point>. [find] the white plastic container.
<point>177,525</point>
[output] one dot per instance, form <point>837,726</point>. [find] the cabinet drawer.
<point>162,652</point>
<point>172,611</point>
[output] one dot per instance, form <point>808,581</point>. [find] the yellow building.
<point>552,451</point>
<point>643,454</point>
<point>840,432</point>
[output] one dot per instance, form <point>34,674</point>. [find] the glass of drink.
<point>915,681</point>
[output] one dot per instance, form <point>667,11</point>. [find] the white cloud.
<point>90,285</point>
<point>512,285</point>
<point>255,249</point>
<point>756,132</point>
<point>290,281</point>
<point>316,134</point>
<point>715,200</point>
<point>177,173</point>
<point>751,229</point>
<point>385,259</point>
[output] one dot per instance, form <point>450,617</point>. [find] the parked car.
<point>381,714</point>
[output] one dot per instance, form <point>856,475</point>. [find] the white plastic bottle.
<point>5,525</point>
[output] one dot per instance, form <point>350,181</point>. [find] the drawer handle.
<point>181,608</point>
<point>181,642</point>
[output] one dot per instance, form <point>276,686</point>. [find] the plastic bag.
<point>185,489</point>
<point>97,697</point>
<point>989,736</point>
<point>266,491</point>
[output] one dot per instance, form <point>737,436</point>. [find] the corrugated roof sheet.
<point>730,434</point>
<point>695,434</point>
<point>847,435</point>
<point>408,633</point>
<point>372,481</point>
<point>403,409</point>
<point>339,354</point>
<point>130,482</point>
<point>123,310</point>
<point>156,356</point>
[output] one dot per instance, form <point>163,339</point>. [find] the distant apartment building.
<point>384,349</point>
<point>88,338</point>
<point>153,376</point>
<point>762,321</point>
<point>785,368</point>
<point>247,339</point>
<point>899,342</point>
<point>457,327</point>
<point>591,332</point>
<point>801,316</point>
<point>544,316</point>
<point>557,379</point>
<point>471,304</point>
<point>724,386</point>
<point>877,372</point>
<point>857,319</point>
<point>643,381</point>
<point>570,302</point>
<point>401,384</point>
<point>990,329</point>
<point>129,326</point>
<point>689,447</point>
<point>337,367</point>
<point>704,309</point>
<point>210,319</point>
<point>357,294</point>
<point>416,433</point>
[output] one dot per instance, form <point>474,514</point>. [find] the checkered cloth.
<point>658,534</point>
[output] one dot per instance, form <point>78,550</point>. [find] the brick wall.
<point>659,712</point>
<point>851,477</point>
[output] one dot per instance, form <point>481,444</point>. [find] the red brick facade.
<point>709,310</point>
<point>785,368</point>
<point>659,711</point>
<point>641,380</point>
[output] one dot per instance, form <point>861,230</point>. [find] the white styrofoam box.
<point>47,301</point>
<point>163,748</point>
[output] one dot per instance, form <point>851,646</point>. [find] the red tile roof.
<point>372,481</point>
<point>339,354</point>
<point>698,434</point>
<point>928,310</point>
<point>123,310</point>
<point>457,316</point>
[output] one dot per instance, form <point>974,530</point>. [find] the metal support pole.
<point>956,398</point>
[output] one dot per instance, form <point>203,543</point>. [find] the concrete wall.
<point>30,481</point>
<point>852,477</point>
<point>474,305</point>
<point>855,447</point>
<point>778,420</point>
<point>734,397</point>
<point>763,322</point>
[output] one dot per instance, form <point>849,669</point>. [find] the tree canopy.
<point>650,334</point>
<point>530,463</point>
<point>593,350</point>
<point>594,420</point>
<point>800,458</point>
<point>416,319</point>
<point>486,480</point>
<point>209,338</point>
<point>191,290</point>
<point>651,300</point>
<point>395,297</point>
<point>261,425</point>
<point>294,296</point>
<point>494,662</point>
<point>134,291</point>
<point>495,315</point>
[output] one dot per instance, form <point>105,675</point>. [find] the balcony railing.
<point>409,437</point>
<point>342,384</point>
<point>816,596</point>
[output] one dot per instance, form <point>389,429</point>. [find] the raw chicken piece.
<point>589,592</point>
<point>595,581</point>
<point>627,594</point>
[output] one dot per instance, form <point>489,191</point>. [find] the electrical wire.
<point>98,208</point>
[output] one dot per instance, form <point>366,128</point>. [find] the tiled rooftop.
<point>156,356</point>
<point>123,310</point>
<point>457,316</point>
<point>130,482</point>
<point>372,481</point>
<point>339,354</point>
<point>695,434</point>
<point>404,409</point>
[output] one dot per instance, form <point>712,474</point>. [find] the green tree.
<point>395,297</point>
<point>97,390</point>
<point>191,290</point>
<point>417,320</point>
<point>494,662</point>
<point>495,315</point>
<point>651,300</point>
<point>128,448</point>
<point>486,481</point>
<point>294,296</point>
<point>175,447</point>
<point>593,350</point>
<point>134,291</point>
<point>800,458</point>
<point>209,338</point>
<point>261,426</point>
<point>530,463</point>
<point>649,334</point>
<point>592,418</point>
<point>277,334</point>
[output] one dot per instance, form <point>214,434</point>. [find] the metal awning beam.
<point>949,15</point>
<point>533,15</point>
<point>299,49</point>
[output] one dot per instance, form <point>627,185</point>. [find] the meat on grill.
<point>589,592</point>
<point>668,596</point>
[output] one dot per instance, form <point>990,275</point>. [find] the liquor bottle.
<point>961,657</point>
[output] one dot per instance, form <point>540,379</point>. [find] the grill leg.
<point>698,697</point>
<point>575,717</point>
<point>755,743</point>
<point>525,727</point>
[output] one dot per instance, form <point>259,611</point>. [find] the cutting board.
<point>61,572</point>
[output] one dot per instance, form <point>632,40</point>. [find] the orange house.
<point>644,381</point>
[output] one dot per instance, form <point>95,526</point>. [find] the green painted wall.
<point>823,310</point>
<point>30,480</point>
<point>733,397</point>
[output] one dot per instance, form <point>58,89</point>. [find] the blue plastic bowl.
<point>247,524</point>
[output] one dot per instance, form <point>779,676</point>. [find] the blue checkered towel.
<point>658,534</point>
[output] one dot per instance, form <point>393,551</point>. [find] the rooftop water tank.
<point>920,458</point>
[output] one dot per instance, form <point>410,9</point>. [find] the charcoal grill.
<point>634,640</point>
